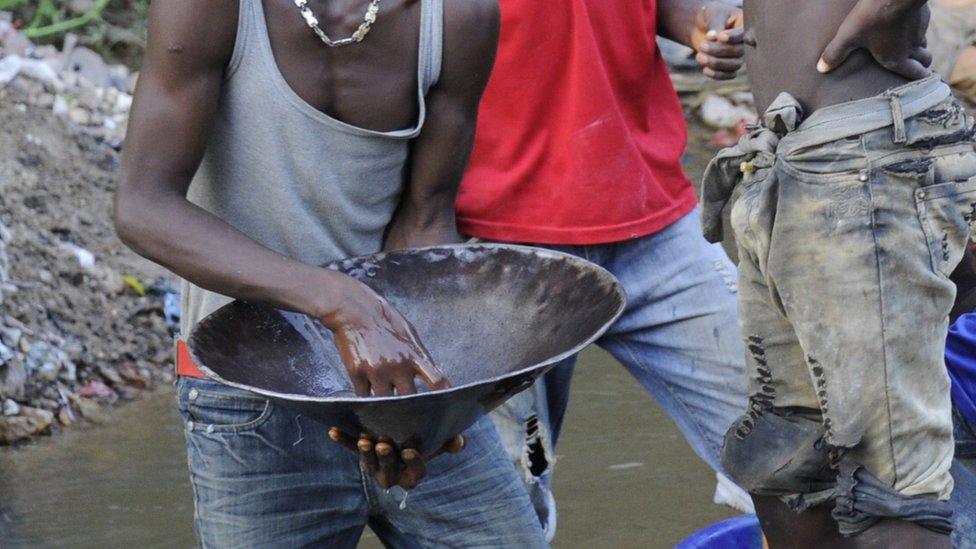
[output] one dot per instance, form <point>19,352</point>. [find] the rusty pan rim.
<point>603,273</point>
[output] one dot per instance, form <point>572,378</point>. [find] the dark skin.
<point>373,85</point>
<point>824,53</point>
<point>712,29</point>
<point>831,51</point>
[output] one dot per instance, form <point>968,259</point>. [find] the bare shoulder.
<point>192,35</point>
<point>471,30</point>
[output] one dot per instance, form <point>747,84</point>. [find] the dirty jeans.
<point>265,476</point>
<point>848,225</point>
<point>677,337</point>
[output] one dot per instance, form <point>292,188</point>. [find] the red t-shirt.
<point>580,133</point>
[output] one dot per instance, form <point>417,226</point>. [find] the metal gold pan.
<point>494,318</point>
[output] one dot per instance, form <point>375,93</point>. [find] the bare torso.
<point>789,37</point>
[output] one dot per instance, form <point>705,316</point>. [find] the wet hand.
<point>893,32</point>
<point>380,349</point>
<point>390,466</point>
<point>717,39</point>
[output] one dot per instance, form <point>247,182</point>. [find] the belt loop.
<point>898,119</point>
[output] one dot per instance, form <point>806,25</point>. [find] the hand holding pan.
<point>384,355</point>
<point>493,318</point>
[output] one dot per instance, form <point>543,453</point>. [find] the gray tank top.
<point>296,180</point>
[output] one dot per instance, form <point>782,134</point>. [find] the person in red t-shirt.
<point>578,149</point>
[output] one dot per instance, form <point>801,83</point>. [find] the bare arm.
<point>176,101</point>
<point>441,152</point>
<point>712,28</point>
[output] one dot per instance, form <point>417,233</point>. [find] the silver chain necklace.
<point>356,37</point>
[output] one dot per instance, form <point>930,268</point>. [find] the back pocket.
<point>947,212</point>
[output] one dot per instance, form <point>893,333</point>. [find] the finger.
<point>456,444</point>
<point>718,75</point>
<point>405,384</point>
<point>342,439</point>
<point>736,21</point>
<point>718,49</point>
<point>367,454</point>
<point>838,50</point>
<point>732,36</point>
<point>909,68</point>
<point>415,469</point>
<point>923,56</point>
<point>718,64</point>
<point>716,19</point>
<point>381,384</point>
<point>388,465</point>
<point>360,383</point>
<point>432,375</point>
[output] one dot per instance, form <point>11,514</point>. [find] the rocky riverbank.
<point>83,321</point>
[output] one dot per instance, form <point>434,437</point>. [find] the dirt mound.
<point>81,318</point>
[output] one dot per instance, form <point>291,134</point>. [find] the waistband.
<point>184,362</point>
<point>861,116</point>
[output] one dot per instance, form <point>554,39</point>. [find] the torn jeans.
<point>848,224</point>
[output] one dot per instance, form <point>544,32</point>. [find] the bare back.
<point>789,36</point>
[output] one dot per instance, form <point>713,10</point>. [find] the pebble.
<point>10,407</point>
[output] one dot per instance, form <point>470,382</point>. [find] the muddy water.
<point>625,476</point>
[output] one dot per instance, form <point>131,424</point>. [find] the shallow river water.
<point>625,477</point>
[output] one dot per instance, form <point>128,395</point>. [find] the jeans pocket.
<point>946,212</point>
<point>212,407</point>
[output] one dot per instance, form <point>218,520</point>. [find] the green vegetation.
<point>114,28</point>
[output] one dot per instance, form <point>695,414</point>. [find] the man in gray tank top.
<point>256,152</point>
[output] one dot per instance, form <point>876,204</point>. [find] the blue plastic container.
<point>735,533</point>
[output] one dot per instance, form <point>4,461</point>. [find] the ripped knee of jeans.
<point>537,456</point>
<point>778,452</point>
<point>862,500</point>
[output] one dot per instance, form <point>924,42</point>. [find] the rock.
<point>79,116</point>
<point>89,95</point>
<point>85,258</point>
<point>13,378</point>
<point>10,407</point>
<point>42,71</point>
<point>110,375</point>
<point>88,64</point>
<point>97,390</point>
<point>10,336</point>
<point>9,68</point>
<point>123,103</point>
<point>119,75</point>
<point>65,417</point>
<point>6,353</point>
<point>45,276</point>
<point>60,107</point>
<point>69,371</point>
<point>88,408</point>
<point>13,41</point>
<point>30,422</point>
<point>42,361</point>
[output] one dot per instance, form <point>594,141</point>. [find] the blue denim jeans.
<point>266,476</point>
<point>678,337</point>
